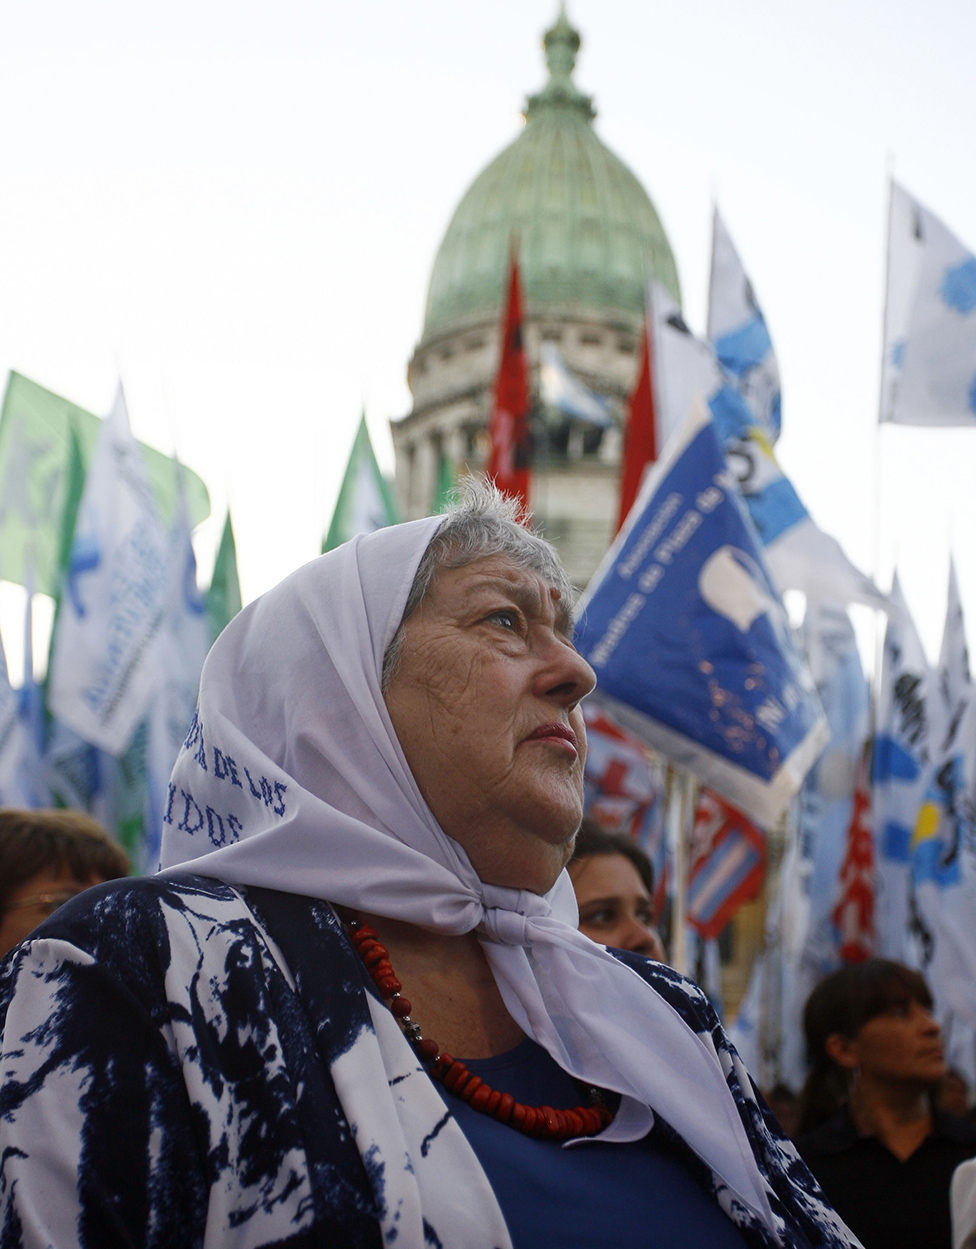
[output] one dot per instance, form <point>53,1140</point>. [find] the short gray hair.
<point>481,522</point>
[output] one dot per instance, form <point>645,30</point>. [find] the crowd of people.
<point>260,1045</point>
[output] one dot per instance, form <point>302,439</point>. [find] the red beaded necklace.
<point>541,1121</point>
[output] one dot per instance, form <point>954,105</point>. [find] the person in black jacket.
<point>869,1130</point>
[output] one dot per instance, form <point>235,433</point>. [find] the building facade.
<point>588,238</point>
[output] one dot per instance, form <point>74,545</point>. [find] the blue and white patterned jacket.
<point>187,1064</point>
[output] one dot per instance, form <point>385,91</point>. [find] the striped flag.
<point>728,864</point>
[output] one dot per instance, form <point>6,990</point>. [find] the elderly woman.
<point>364,845</point>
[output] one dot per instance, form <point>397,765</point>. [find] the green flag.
<point>224,595</point>
<point>444,487</point>
<point>365,500</point>
<point>38,431</point>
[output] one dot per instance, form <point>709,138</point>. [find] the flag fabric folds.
<point>929,363</point>
<point>104,667</point>
<point>688,638</point>
<point>641,436</point>
<point>624,791</point>
<point>853,914</point>
<point>509,432</point>
<point>737,331</point>
<point>365,501</point>
<point>36,433</point>
<point>224,595</point>
<point>728,864</point>
<point>799,555</point>
<point>563,391</point>
<point>902,756</point>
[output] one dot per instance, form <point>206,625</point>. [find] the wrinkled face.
<point>614,906</point>
<point>901,1045</point>
<point>33,901</point>
<point>485,704</point>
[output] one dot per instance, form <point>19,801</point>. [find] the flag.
<point>929,363</point>
<point>799,555</point>
<point>563,391</point>
<point>624,791</point>
<point>30,712</point>
<point>37,429</point>
<point>103,661</point>
<point>728,864</point>
<point>943,878</point>
<point>640,436</point>
<point>952,684</point>
<point>902,755</point>
<point>224,595</point>
<point>444,487</point>
<point>737,331</point>
<point>13,790</point>
<point>182,645</point>
<point>691,646</point>
<point>365,501</point>
<point>508,426</point>
<point>853,915</point>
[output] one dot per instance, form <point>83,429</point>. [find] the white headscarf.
<point>292,778</point>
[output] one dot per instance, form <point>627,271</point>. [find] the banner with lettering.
<point>691,646</point>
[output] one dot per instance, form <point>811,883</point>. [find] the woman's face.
<point>901,1045</point>
<point>614,906</point>
<point>485,704</point>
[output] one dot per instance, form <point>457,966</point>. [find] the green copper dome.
<point>587,232</point>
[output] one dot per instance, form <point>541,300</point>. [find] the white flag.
<point>104,668</point>
<point>563,390</point>
<point>952,673</point>
<point>929,366</point>
<point>798,553</point>
<point>902,756</point>
<point>737,330</point>
<point>182,647</point>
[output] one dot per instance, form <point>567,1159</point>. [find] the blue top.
<point>591,1195</point>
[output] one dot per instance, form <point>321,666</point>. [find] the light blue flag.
<point>737,330</point>
<point>903,750</point>
<point>691,646</point>
<point>562,390</point>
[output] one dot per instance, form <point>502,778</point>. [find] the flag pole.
<point>876,475</point>
<point>683,810</point>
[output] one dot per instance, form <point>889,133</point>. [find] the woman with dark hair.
<point>869,1130</point>
<point>614,884</point>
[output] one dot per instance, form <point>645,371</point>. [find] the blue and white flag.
<point>104,667</point>
<point>902,757</point>
<point>929,364</point>
<point>183,644</point>
<point>737,331</point>
<point>943,869</point>
<point>19,773</point>
<point>799,555</point>
<point>802,943</point>
<point>952,680</point>
<point>688,638</point>
<point>563,391</point>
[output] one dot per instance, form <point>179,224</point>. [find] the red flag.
<point>854,913</point>
<point>640,442</point>
<point>508,426</point>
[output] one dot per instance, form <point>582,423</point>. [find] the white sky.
<point>237,203</point>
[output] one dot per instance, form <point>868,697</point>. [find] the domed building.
<point>588,238</point>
